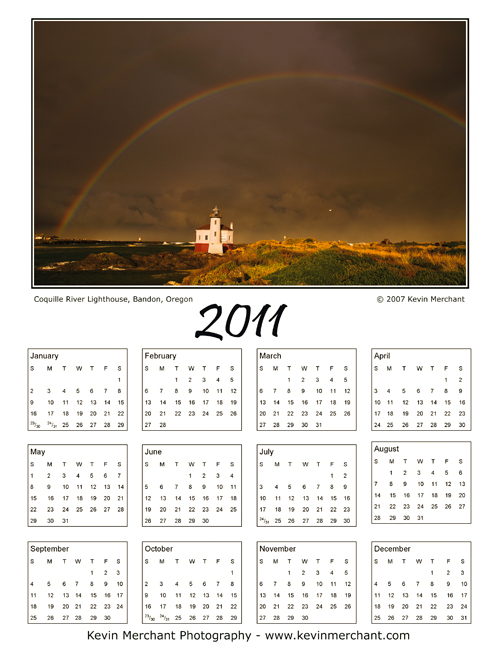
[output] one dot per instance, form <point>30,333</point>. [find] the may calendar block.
<point>192,582</point>
<point>191,389</point>
<point>306,485</point>
<point>77,582</point>
<point>306,582</point>
<point>77,485</point>
<point>421,482</point>
<point>421,389</point>
<point>312,389</point>
<point>191,485</point>
<point>421,582</point>
<point>77,389</point>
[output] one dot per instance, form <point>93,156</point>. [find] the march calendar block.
<point>312,389</point>
<point>191,389</point>
<point>77,389</point>
<point>306,582</point>
<point>306,485</point>
<point>191,485</point>
<point>421,582</point>
<point>77,582</point>
<point>421,389</point>
<point>421,482</point>
<point>192,582</point>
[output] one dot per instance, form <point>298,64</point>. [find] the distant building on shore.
<point>214,238</point>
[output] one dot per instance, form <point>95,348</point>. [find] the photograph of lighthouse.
<point>321,153</point>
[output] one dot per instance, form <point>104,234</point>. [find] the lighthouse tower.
<point>214,240</point>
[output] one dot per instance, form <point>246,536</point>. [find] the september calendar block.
<point>191,389</point>
<point>192,582</point>
<point>421,389</point>
<point>421,482</point>
<point>306,485</point>
<point>311,389</point>
<point>77,389</point>
<point>77,582</point>
<point>421,582</point>
<point>306,582</point>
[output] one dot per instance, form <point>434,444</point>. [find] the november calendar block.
<point>77,389</point>
<point>306,485</point>
<point>191,389</point>
<point>421,389</point>
<point>77,582</point>
<point>306,582</point>
<point>192,582</point>
<point>421,582</point>
<point>312,389</point>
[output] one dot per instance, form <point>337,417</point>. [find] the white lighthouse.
<point>215,237</point>
<point>215,241</point>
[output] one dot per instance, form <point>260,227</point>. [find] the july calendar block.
<point>421,482</point>
<point>306,582</point>
<point>77,389</point>
<point>77,582</point>
<point>306,485</point>
<point>312,389</point>
<point>421,389</point>
<point>77,485</point>
<point>191,389</point>
<point>192,582</point>
<point>191,485</point>
<point>421,582</point>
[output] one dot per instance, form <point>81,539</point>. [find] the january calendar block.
<point>191,485</point>
<point>192,582</point>
<point>306,485</point>
<point>191,389</point>
<point>77,485</point>
<point>421,482</point>
<point>306,582</point>
<point>312,389</point>
<point>77,582</point>
<point>77,389</point>
<point>421,389</point>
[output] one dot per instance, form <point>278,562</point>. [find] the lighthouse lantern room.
<point>214,238</point>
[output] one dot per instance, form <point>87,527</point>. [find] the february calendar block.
<point>421,389</point>
<point>311,389</point>
<point>306,582</point>
<point>191,389</point>
<point>421,582</point>
<point>192,582</point>
<point>77,582</point>
<point>82,389</point>
<point>306,485</point>
<point>191,485</point>
<point>421,482</point>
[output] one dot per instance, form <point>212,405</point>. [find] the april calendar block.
<point>311,389</point>
<point>421,389</point>
<point>421,582</point>
<point>77,389</point>
<point>306,485</point>
<point>191,389</point>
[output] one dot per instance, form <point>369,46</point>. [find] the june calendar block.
<point>191,389</point>
<point>306,485</point>
<point>421,482</point>
<point>191,485</point>
<point>192,582</point>
<point>77,582</point>
<point>421,582</point>
<point>421,389</point>
<point>312,389</point>
<point>77,389</point>
<point>306,582</point>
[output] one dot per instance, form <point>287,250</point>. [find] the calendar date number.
<point>239,319</point>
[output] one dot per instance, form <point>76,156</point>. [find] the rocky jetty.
<point>184,260</point>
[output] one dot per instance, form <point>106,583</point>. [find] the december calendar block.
<point>311,389</point>
<point>421,582</point>
<point>77,389</point>
<point>77,582</point>
<point>191,389</point>
<point>306,485</point>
